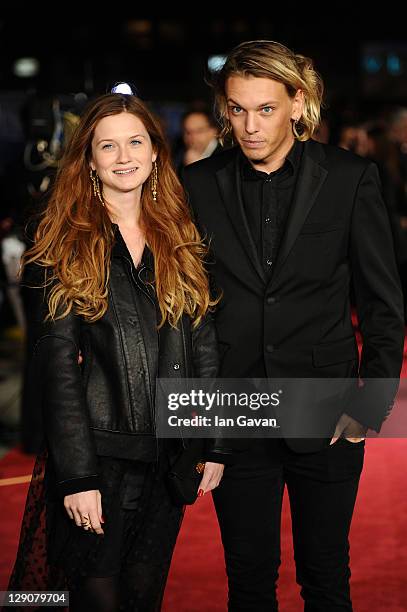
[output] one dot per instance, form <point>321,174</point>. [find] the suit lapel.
<point>230,188</point>
<point>311,177</point>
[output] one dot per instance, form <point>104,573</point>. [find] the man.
<point>200,136</point>
<point>293,224</point>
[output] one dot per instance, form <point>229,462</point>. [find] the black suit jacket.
<point>337,235</point>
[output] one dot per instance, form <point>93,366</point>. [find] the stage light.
<point>394,64</point>
<point>25,67</point>
<point>123,88</point>
<point>372,64</point>
<point>215,62</point>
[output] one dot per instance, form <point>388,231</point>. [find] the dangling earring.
<point>294,127</point>
<point>96,185</point>
<point>154,181</point>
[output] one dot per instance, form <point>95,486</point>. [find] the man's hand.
<point>211,477</point>
<point>350,429</point>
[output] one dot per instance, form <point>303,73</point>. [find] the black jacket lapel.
<point>311,177</point>
<point>229,185</point>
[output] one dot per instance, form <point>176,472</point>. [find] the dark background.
<point>166,57</point>
<point>361,53</point>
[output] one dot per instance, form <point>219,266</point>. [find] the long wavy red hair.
<point>75,235</point>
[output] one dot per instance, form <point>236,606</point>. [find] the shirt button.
<point>176,366</point>
<point>269,348</point>
<point>271,300</point>
<point>267,219</point>
<point>268,180</point>
<point>269,262</point>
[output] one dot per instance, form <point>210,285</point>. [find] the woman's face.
<point>122,154</point>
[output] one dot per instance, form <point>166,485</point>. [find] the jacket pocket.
<point>339,351</point>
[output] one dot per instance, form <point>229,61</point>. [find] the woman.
<point>119,296</point>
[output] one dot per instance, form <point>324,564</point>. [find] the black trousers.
<point>322,490</point>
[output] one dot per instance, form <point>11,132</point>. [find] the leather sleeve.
<point>55,382</point>
<point>205,349</point>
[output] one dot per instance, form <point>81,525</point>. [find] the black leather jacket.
<point>106,406</point>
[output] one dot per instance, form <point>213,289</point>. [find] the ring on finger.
<point>85,523</point>
<point>87,527</point>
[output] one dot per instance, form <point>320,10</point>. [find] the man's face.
<point>197,132</point>
<point>260,112</point>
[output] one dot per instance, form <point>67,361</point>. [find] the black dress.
<point>141,527</point>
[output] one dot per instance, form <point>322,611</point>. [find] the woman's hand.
<point>85,508</point>
<point>211,478</point>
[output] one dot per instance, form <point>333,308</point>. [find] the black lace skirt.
<point>140,531</point>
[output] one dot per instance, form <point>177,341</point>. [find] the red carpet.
<point>378,552</point>
<point>12,501</point>
<point>197,580</point>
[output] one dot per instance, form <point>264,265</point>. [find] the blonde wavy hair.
<point>75,236</point>
<point>272,60</point>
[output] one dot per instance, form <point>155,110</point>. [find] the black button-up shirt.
<point>267,199</point>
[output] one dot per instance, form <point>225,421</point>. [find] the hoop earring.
<point>154,181</point>
<point>96,185</point>
<point>294,126</point>
<point>227,132</point>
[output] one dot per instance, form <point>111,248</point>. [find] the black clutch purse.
<point>184,477</point>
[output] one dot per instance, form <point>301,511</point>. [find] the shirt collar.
<point>290,165</point>
<point>120,249</point>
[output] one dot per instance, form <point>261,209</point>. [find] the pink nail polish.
<point>201,492</point>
